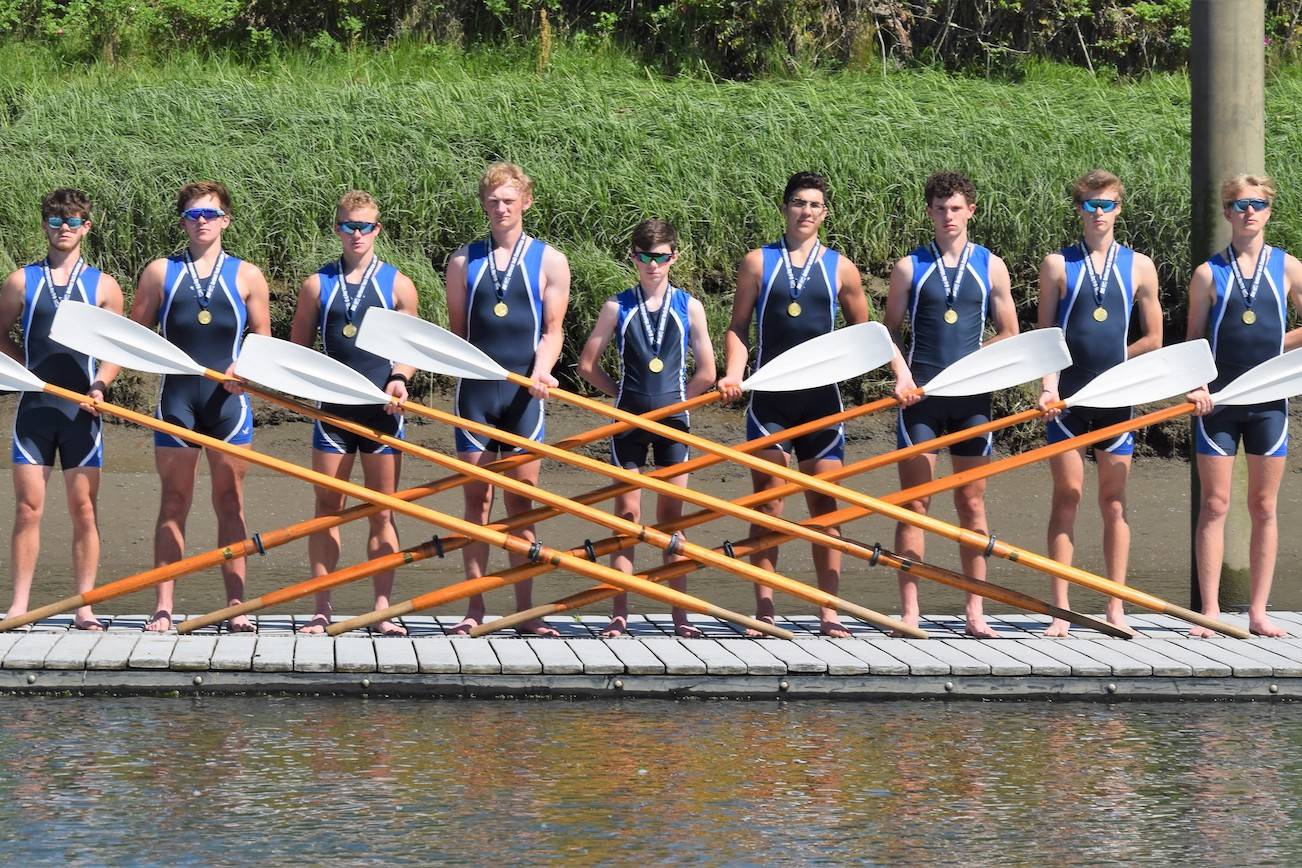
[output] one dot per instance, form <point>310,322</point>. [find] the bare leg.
<point>910,542</point>
<point>381,474</point>
<point>517,505</point>
<point>827,562</point>
<point>970,503</point>
<point>671,509</point>
<point>1264,475</point>
<point>82,487</point>
<point>1068,482</point>
<point>227,475</point>
<point>1114,471</point>
<point>1215,474</point>
<point>323,546</point>
<point>765,558</point>
<point>176,471</point>
<point>30,481</point>
<point>628,506</point>
<point>478,506</point>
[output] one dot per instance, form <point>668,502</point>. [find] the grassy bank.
<point>607,144</point>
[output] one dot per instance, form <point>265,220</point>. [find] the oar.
<point>13,377</point>
<point>426,346</point>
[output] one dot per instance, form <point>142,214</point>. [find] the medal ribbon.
<point>951,292</point>
<point>350,304</point>
<point>656,338</point>
<point>73,276</point>
<point>797,285</point>
<point>203,294</point>
<point>1099,282</point>
<point>501,283</point>
<point>1248,291</point>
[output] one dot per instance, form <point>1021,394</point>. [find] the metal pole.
<point>1227,81</point>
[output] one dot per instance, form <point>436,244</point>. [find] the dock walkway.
<point>1162,664</point>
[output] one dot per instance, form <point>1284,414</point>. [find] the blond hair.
<point>1238,183</point>
<point>1096,179</point>
<point>357,200</point>
<point>498,174</point>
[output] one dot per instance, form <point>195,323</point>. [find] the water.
<point>103,779</point>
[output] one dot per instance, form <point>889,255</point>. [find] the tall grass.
<point>607,144</point>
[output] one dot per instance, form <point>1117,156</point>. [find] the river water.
<point>145,780</point>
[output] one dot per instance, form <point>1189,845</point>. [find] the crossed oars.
<point>426,346</point>
<point>14,377</point>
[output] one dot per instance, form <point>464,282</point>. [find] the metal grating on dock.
<point>1162,664</point>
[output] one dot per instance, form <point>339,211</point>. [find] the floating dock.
<point>1162,664</point>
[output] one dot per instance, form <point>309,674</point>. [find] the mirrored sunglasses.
<point>646,258</point>
<point>348,227</point>
<point>1241,205</point>
<point>60,222</point>
<point>194,215</point>
<point>1107,206</point>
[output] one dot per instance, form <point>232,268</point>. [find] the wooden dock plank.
<point>112,651</point>
<point>1064,651</point>
<point>396,654</point>
<point>30,650</point>
<point>1163,665</point>
<point>879,662</point>
<point>272,624</point>
<point>193,653</point>
<point>795,656</point>
<point>234,652</point>
<point>677,659</point>
<point>717,658</point>
<point>556,657</point>
<point>153,651</point>
<point>714,628</point>
<point>476,656</point>
<point>276,653</point>
<point>757,660</point>
<point>597,659</point>
<point>1040,663</point>
<point>636,657</point>
<point>355,653</point>
<point>913,653</point>
<point>960,663</point>
<point>832,655</point>
<point>516,657</point>
<point>435,654</point>
<point>1241,666</point>
<point>1185,651</point>
<point>72,650</point>
<point>1116,655</point>
<point>1282,665</point>
<point>421,625</point>
<point>990,654</point>
<point>313,652</point>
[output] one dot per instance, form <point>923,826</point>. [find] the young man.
<point>1239,301</point>
<point>793,289</point>
<point>204,301</point>
<point>947,290</point>
<point>332,303</point>
<point>507,294</point>
<point>46,426</point>
<point>1090,290</point>
<point>654,325</point>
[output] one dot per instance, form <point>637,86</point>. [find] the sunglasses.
<point>60,222</point>
<point>646,258</point>
<point>348,227</point>
<point>194,215</point>
<point>1241,205</point>
<point>1107,206</point>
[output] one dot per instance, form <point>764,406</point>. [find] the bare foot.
<point>1058,629</point>
<point>464,626</point>
<point>388,628</point>
<point>537,627</point>
<point>161,622</point>
<point>240,624</point>
<point>833,630</point>
<point>685,630</point>
<point>979,629</point>
<point>90,625</point>
<point>316,626</point>
<point>1263,626</point>
<point>1197,632</point>
<point>1118,619</point>
<point>911,620</point>
<point>756,634</point>
<point>617,627</point>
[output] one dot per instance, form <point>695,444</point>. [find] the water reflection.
<point>229,780</point>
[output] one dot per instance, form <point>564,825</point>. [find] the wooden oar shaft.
<point>513,544</point>
<point>274,538</point>
<point>962,536</point>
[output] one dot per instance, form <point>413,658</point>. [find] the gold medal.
<point>1100,314</point>
<point>656,365</point>
<point>500,308</point>
<point>951,316</point>
<point>350,330</point>
<point>793,309</point>
<point>1249,317</point>
<point>204,317</point>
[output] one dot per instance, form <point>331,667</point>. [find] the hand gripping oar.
<point>13,377</point>
<point>996,366</point>
<point>1141,380</point>
<point>426,346</point>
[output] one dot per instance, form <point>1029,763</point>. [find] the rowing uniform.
<point>1239,345</point>
<point>206,318</point>
<point>341,309</point>
<point>1097,341</point>
<point>810,292</point>
<point>504,318</point>
<point>641,338</point>
<point>46,426</point>
<point>944,329</point>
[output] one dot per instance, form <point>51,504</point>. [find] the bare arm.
<point>144,308</point>
<point>737,338</point>
<point>1053,281</point>
<point>1148,306</point>
<point>897,307</point>
<point>1003,312</point>
<point>108,296</point>
<point>854,304</point>
<point>556,300</point>
<point>1293,279</point>
<point>11,308</point>
<point>257,298</point>
<point>454,292</point>
<point>595,347</point>
<point>1202,293</point>
<point>702,350</point>
<point>302,329</point>
<point>405,300</point>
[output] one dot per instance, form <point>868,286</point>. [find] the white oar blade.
<point>830,358</point>
<point>421,344</point>
<point>296,370</point>
<point>1003,364</point>
<point>15,378</point>
<point>1273,379</point>
<point>1153,376</point>
<point>104,335</point>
